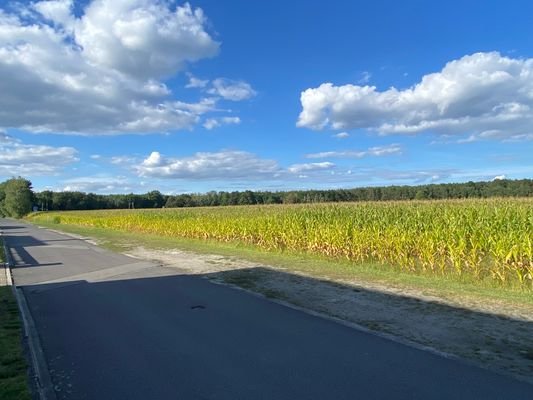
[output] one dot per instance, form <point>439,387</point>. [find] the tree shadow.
<point>8,227</point>
<point>22,258</point>
<point>27,240</point>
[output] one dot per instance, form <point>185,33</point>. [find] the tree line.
<point>17,197</point>
<point>499,188</point>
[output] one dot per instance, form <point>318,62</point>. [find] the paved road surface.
<point>112,327</point>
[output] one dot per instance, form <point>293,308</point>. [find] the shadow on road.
<point>8,227</point>
<point>18,252</point>
<point>183,336</point>
<point>22,257</point>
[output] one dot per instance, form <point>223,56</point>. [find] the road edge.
<point>41,375</point>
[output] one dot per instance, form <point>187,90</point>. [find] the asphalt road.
<point>112,327</point>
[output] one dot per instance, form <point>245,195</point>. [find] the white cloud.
<point>241,170</point>
<point>485,95</point>
<point>57,11</point>
<point>231,90</point>
<point>299,168</point>
<point>153,160</point>
<point>17,158</point>
<point>217,122</point>
<point>102,72</point>
<point>498,178</point>
<point>341,135</point>
<point>144,38</point>
<point>196,83</point>
<point>377,151</point>
<point>98,184</point>
<point>228,165</point>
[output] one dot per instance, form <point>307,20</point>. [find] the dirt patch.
<point>490,333</point>
<point>188,262</point>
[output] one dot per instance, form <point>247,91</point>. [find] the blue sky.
<point>131,96</point>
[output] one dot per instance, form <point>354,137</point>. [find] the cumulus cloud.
<point>59,12</point>
<point>102,72</point>
<point>377,151</point>
<point>485,95</point>
<point>143,37</point>
<point>212,123</point>
<point>228,165</point>
<point>498,178</point>
<point>17,158</point>
<point>231,90</point>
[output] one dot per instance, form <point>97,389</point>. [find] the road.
<point>114,327</point>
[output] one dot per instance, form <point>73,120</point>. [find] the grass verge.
<point>319,267</point>
<point>13,367</point>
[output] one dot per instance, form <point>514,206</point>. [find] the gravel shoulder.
<point>491,334</point>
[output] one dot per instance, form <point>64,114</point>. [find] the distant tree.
<point>247,198</point>
<point>212,198</point>
<point>234,198</point>
<point>60,201</point>
<point>421,194</point>
<point>291,198</point>
<point>171,202</point>
<point>2,199</point>
<point>130,199</point>
<point>18,198</point>
<point>44,199</point>
<point>155,199</point>
<point>224,198</point>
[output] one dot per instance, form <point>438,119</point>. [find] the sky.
<point>120,96</point>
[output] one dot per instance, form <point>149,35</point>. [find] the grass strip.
<point>13,367</point>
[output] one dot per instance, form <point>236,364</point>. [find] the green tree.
<point>421,194</point>
<point>18,197</point>
<point>155,199</point>
<point>44,199</point>
<point>2,199</point>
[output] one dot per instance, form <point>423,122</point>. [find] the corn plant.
<point>480,239</point>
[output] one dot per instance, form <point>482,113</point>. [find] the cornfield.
<point>479,239</point>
